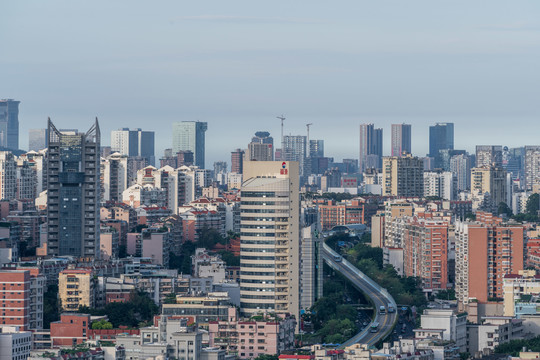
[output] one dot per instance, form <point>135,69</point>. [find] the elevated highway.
<point>378,295</point>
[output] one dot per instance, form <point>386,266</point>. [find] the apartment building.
<point>395,213</point>
<point>251,337</point>
<point>403,176</point>
<point>76,289</point>
<point>73,192</point>
<point>15,307</point>
<point>15,344</point>
<point>489,179</point>
<point>521,293</point>
<point>425,250</point>
<point>202,309</point>
<point>355,211</point>
<point>270,238</point>
<point>486,251</point>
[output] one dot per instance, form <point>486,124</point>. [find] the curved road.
<point>378,295</point>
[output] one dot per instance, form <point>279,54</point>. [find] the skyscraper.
<point>460,167</point>
<point>532,167</point>
<point>270,238</point>
<point>294,149</point>
<point>401,139</point>
<point>237,160</point>
<point>488,155</point>
<point>190,135</point>
<point>134,142</point>
<point>371,145</point>
<point>261,147</point>
<point>9,124</point>
<point>316,148</point>
<point>73,172</point>
<point>441,137</point>
<point>8,176</point>
<point>492,180</point>
<point>37,139</point>
<point>114,177</point>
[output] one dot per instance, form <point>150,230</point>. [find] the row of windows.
<point>250,281</point>
<point>262,202</point>
<point>257,194</point>
<point>258,297</point>
<point>256,289</point>
<point>270,266</point>
<point>257,226</point>
<point>258,242</point>
<point>264,219</point>
<point>257,250</point>
<point>256,273</point>
<point>257,306</point>
<point>257,234</point>
<point>246,257</point>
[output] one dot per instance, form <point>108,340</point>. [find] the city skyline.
<point>339,150</point>
<point>131,76</point>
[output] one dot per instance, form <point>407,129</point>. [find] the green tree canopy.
<point>101,325</point>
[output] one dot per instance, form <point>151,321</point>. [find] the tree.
<point>130,313</point>
<point>229,258</point>
<point>515,346</point>
<point>50,306</point>
<point>533,205</point>
<point>267,357</point>
<point>504,209</point>
<point>209,237</point>
<point>449,294</point>
<point>101,325</point>
<point>470,216</point>
<point>366,238</point>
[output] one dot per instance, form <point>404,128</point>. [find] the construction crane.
<point>282,118</point>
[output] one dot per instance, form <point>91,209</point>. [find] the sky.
<point>239,64</point>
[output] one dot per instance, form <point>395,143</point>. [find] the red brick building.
<point>15,302</point>
<point>110,334</point>
<point>72,329</point>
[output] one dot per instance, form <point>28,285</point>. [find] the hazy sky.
<point>239,64</point>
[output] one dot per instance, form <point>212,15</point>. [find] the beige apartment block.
<point>76,289</point>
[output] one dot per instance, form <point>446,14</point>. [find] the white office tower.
<point>270,238</point>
